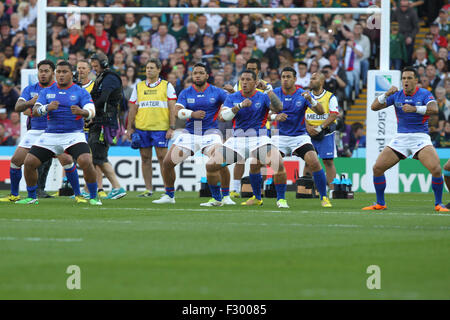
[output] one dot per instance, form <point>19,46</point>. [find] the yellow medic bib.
<point>315,119</point>
<point>153,109</point>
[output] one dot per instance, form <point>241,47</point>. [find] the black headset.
<point>103,61</point>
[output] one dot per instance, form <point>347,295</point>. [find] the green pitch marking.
<point>133,249</point>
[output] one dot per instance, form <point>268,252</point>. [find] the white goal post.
<point>383,22</point>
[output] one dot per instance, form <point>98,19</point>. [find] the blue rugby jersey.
<point>294,106</point>
<point>30,91</point>
<point>210,100</point>
<point>253,117</point>
<point>62,120</point>
<point>410,122</point>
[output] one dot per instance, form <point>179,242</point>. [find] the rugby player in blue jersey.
<point>199,105</point>
<point>292,138</point>
<point>37,125</point>
<point>65,105</point>
<point>248,109</point>
<point>413,106</point>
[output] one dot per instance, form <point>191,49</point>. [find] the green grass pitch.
<point>133,249</point>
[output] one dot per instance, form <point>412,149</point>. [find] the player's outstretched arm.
<point>22,105</point>
<point>380,102</point>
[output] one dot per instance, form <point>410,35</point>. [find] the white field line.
<point>357,212</point>
<point>63,220</point>
<point>42,239</point>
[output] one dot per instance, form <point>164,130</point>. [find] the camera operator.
<point>107,95</point>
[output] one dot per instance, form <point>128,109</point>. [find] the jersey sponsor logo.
<point>61,92</point>
<point>150,92</point>
<point>50,96</point>
<point>287,99</point>
<point>314,116</point>
<point>191,100</point>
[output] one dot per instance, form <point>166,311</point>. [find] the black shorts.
<point>99,148</point>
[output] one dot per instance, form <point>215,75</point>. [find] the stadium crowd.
<point>343,47</point>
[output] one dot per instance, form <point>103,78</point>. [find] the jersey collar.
<point>66,88</point>
<point>195,88</point>
<point>417,89</point>
<point>254,92</point>
<point>152,85</point>
<point>284,92</point>
<point>46,86</point>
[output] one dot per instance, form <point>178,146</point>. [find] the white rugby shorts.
<point>288,144</point>
<point>58,142</point>
<point>195,142</point>
<point>410,143</point>
<point>244,146</point>
<point>30,138</point>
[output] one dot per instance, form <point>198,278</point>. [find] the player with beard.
<point>249,109</point>
<point>199,105</point>
<point>65,105</point>
<point>25,103</point>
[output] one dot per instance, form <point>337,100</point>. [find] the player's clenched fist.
<point>281,117</point>
<point>76,110</point>
<point>246,103</point>
<point>409,108</point>
<point>307,96</point>
<point>391,91</point>
<point>53,105</point>
<point>199,114</point>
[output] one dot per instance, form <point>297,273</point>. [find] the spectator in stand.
<point>65,41</point>
<point>164,42</point>
<point>10,60</point>
<point>176,27</point>
<point>432,76</point>
<point>236,38</point>
<point>246,25</point>
<point>444,139</point>
<point>25,19</point>
<point>202,25</point>
<point>439,41</point>
<point>194,40</point>
<point>316,53</point>
<point>228,72</point>
<point>209,51</point>
<point>109,25</point>
<point>14,23</point>
<point>118,65</point>
<point>441,68</point>
<point>353,134</point>
<point>3,16</point>
<point>132,77</point>
<point>57,53</point>
<point>30,36</point>
<point>295,29</point>
<point>250,42</point>
<point>213,20</point>
<point>76,40</point>
<point>341,77</point>
<point>443,23</point>
<point>130,25</point>
<point>5,140</point>
<point>273,53</point>
<point>143,60</point>
<point>263,39</point>
<point>409,25</point>
<point>397,48</point>
<point>8,95</point>
<point>331,84</point>
<point>13,127</point>
<point>348,52</point>
<point>363,41</point>
<point>421,58</point>
<point>443,54</point>
<point>443,103</point>
<point>303,76</point>
<point>101,37</point>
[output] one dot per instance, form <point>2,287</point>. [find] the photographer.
<point>107,95</point>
